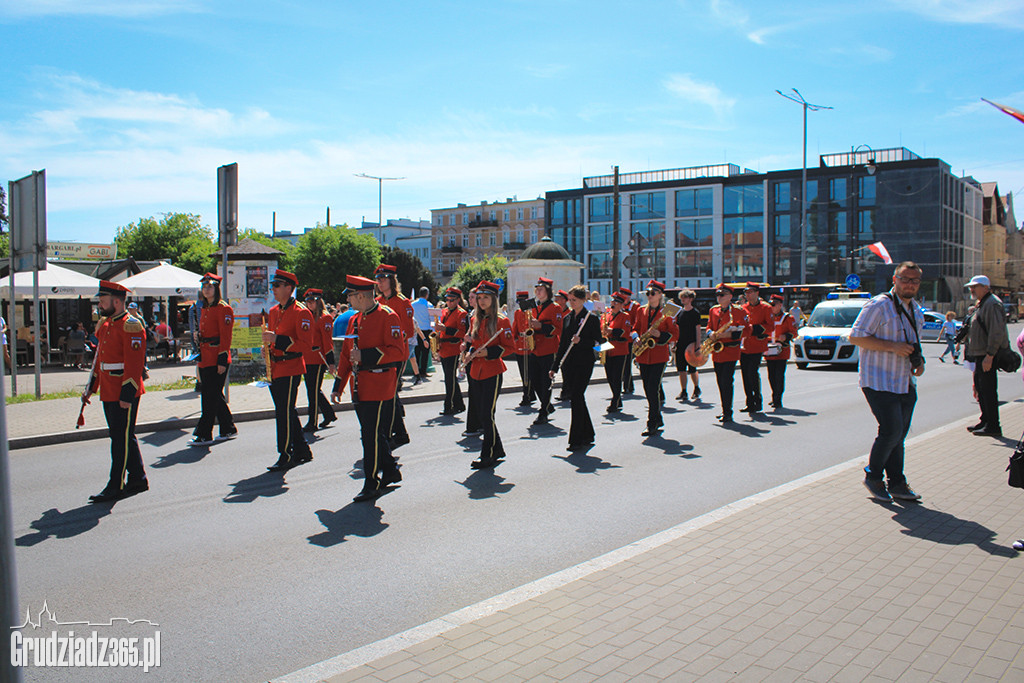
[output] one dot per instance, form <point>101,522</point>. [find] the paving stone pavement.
<point>810,582</point>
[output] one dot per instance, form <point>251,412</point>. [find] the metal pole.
<point>224,295</point>
<point>803,208</point>
<point>13,332</point>
<point>35,333</point>
<point>615,230</point>
<point>380,209</point>
<point>8,672</point>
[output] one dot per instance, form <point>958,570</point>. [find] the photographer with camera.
<point>987,335</point>
<point>890,358</point>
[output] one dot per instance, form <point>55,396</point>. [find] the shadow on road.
<point>942,527</point>
<point>485,484</point>
<point>795,412</point>
<point>355,519</point>
<point>670,446</point>
<point>619,416</point>
<point>162,438</point>
<point>56,524</point>
<point>586,464</point>
<point>442,421</point>
<point>266,485</point>
<point>186,456</point>
<point>773,420</point>
<point>746,429</point>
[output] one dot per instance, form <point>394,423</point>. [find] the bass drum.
<point>693,357</point>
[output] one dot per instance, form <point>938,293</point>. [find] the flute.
<point>468,358</point>
<point>573,342</point>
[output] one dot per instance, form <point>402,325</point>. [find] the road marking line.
<point>347,661</point>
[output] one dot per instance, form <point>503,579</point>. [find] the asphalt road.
<point>251,574</point>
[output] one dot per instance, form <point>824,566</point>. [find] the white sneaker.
<point>201,442</point>
<point>1018,545</point>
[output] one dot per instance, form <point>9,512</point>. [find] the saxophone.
<point>606,333</point>
<point>711,344</point>
<point>266,349</point>
<point>647,341</point>
<point>531,343</point>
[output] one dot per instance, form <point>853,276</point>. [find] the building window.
<point>837,231</point>
<point>465,240</point>
<point>651,234</point>
<point>837,192</point>
<point>504,235</point>
<point>519,234</point>
<point>465,218</point>
<point>783,229</point>
<point>866,226</point>
<point>493,239</point>
<point>519,213</point>
<point>492,215</point>
<point>601,236</point>
<point>695,232</point>
<point>743,199</point>
<point>647,205</point>
<point>694,263</point>
<point>812,193</point>
<point>700,202</point>
<point>533,236</point>
<point>866,190</point>
<point>504,214</point>
<point>440,241</point>
<point>600,265</point>
<point>451,240</point>
<point>783,196</point>
<point>601,208</point>
<point>533,213</point>
<point>479,240</point>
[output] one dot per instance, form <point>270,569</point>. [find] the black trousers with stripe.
<point>750,369</point>
<point>374,431</point>
<point>615,368</point>
<point>581,428</point>
<point>290,441</point>
<point>125,458</point>
<point>317,402</point>
<point>487,391</point>
<point>777,378</point>
<point>650,375</point>
<point>214,407</point>
<point>540,380</point>
<point>453,402</point>
<point>725,372</point>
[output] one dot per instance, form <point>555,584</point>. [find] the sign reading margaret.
<point>80,250</point>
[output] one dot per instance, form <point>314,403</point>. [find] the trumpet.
<point>647,340</point>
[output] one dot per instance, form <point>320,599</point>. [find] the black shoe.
<point>682,396</point>
<point>106,496</point>
<point>227,435</point>
<point>367,495</point>
<point>282,464</point>
<point>878,490</point>
<point>417,380</point>
<point>613,408</point>
<point>327,421</point>
<point>903,492</point>
<point>980,425</point>
<point>985,431</point>
<point>525,402</point>
<point>302,459</point>
<point>201,441</point>
<point>696,394</point>
<point>542,419</point>
<point>472,432</point>
<point>390,477</point>
<point>724,417</point>
<point>309,429</point>
<point>483,464</point>
<point>651,431</point>
<point>746,409</point>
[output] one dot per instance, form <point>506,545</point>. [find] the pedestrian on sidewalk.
<point>987,335</point>
<point>421,347</point>
<point>886,330</point>
<point>216,323</point>
<point>120,358</point>
<point>948,332</point>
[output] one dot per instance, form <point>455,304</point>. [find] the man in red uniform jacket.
<point>117,375</point>
<point>753,347</point>
<point>618,330</point>
<point>389,294</point>
<point>652,362</point>
<point>216,323</point>
<point>452,326</point>
<point>289,332</point>
<point>547,329</point>
<point>630,307</point>
<point>781,331</point>
<point>374,357</point>
<point>520,323</point>
<point>728,325</point>
<point>318,357</point>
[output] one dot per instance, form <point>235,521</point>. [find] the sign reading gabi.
<point>79,250</point>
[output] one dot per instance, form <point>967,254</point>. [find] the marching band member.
<point>618,331</point>
<point>491,338</point>
<point>781,331</point>
<point>373,358</point>
<point>216,322</point>
<point>318,357</point>
<point>472,423</point>
<point>753,346</point>
<point>652,361</point>
<point>688,321</point>
<point>390,295</point>
<point>562,301</point>
<point>117,375</point>
<point>729,324</point>
<point>547,326</point>
<point>452,326</point>
<point>520,323</point>
<point>581,331</point>
<point>630,307</point>
<point>289,331</point>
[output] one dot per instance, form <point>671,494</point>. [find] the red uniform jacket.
<point>758,315</point>
<point>401,306</point>
<point>382,348</point>
<point>293,325</point>
<point>321,346</point>
<point>784,329</point>
<point>619,329</point>
<point>734,334</point>
<point>667,334</point>
<point>546,338</point>
<point>488,363</point>
<point>120,357</point>
<point>451,330</point>
<point>215,326</point>
<point>520,323</point>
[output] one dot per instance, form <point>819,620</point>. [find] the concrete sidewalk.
<point>812,581</point>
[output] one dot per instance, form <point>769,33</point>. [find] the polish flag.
<point>1006,110</point>
<point>879,250</point>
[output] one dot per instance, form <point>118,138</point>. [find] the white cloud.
<point>110,8</point>
<point>1004,13</point>
<point>688,88</point>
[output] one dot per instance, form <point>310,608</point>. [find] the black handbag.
<point>1016,466</point>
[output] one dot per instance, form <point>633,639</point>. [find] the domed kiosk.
<point>543,259</point>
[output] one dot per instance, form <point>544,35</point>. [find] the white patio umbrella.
<point>54,283</point>
<point>164,281</point>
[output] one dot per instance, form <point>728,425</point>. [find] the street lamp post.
<point>799,99</point>
<point>380,199</point>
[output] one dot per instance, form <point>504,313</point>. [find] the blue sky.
<point>130,106</point>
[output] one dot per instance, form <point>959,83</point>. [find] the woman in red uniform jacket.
<point>450,329</point>
<point>617,330</point>
<point>781,331</point>
<point>490,339</point>
<point>216,322</point>
<point>318,357</point>
<point>652,362</point>
<point>729,325</point>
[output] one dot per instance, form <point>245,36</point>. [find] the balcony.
<point>515,246</point>
<point>484,223</point>
<point>451,249</point>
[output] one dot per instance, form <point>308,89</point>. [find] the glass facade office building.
<point>695,227</point>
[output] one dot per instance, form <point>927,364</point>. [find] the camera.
<point>916,357</point>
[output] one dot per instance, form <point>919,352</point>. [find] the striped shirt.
<point>884,370</point>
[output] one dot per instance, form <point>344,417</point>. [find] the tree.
<point>470,273</point>
<point>179,237</point>
<point>286,260</point>
<point>412,274</point>
<point>326,254</point>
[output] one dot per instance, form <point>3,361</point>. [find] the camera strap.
<point>902,312</point>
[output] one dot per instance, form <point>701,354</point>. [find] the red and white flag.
<point>879,250</point>
<point>1019,115</point>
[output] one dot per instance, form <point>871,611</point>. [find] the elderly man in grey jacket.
<point>987,335</point>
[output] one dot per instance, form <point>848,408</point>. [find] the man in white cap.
<point>986,336</point>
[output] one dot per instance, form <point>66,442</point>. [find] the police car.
<point>932,330</point>
<point>825,338</point>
